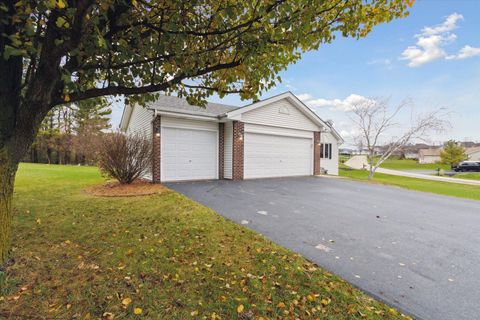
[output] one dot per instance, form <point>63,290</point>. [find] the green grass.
<point>79,256</point>
<point>443,188</point>
<point>408,164</point>
<point>469,175</point>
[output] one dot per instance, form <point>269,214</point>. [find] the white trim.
<point>186,116</point>
<point>283,134</point>
<point>187,127</point>
<point>125,118</point>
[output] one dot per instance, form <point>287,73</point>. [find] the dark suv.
<point>467,166</point>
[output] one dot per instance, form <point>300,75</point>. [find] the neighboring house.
<point>411,155</point>
<point>345,152</point>
<point>431,155</point>
<point>473,153</point>
<point>276,137</point>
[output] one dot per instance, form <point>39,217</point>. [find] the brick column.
<point>156,149</point>
<point>221,149</point>
<point>316,153</point>
<point>237,154</point>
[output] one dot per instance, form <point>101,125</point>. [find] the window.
<point>326,151</point>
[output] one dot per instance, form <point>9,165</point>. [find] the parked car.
<point>467,166</point>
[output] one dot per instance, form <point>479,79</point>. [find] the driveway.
<point>417,251</point>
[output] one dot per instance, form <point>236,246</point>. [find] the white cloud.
<point>465,52</point>
<point>430,42</point>
<point>346,104</point>
<point>448,25</point>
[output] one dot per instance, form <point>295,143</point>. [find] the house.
<point>276,137</point>
<point>473,153</point>
<point>430,155</point>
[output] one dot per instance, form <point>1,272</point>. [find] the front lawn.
<point>154,257</point>
<point>467,175</point>
<point>409,164</point>
<point>438,187</point>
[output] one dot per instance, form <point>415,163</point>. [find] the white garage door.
<point>188,154</point>
<point>268,155</point>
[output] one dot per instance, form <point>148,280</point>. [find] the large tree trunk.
<point>8,169</point>
<point>21,114</point>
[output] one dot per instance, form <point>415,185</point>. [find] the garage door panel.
<point>268,155</point>
<point>188,154</point>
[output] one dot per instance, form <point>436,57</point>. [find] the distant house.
<point>430,155</point>
<point>473,153</point>
<point>411,151</point>
<point>345,152</point>
<point>411,155</point>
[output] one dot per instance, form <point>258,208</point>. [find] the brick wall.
<point>221,149</point>
<point>316,153</point>
<point>238,140</point>
<point>156,149</point>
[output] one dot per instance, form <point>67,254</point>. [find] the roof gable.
<point>287,107</point>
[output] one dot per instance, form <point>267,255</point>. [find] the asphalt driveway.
<point>417,251</point>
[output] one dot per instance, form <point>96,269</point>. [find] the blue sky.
<point>431,57</point>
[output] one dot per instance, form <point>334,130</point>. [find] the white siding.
<point>141,121</point>
<point>428,159</point>
<point>255,128</point>
<point>331,165</point>
<point>189,124</point>
<point>280,114</point>
<point>228,150</point>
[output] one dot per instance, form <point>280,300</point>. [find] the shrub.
<point>125,157</point>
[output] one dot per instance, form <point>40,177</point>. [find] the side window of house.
<point>326,151</point>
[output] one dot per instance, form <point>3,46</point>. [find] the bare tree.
<point>125,157</point>
<point>374,119</point>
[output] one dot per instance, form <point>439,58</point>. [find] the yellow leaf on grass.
<point>60,4</point>
<point>392,311</point>
<point>108,316</point>
<point>325,302</point>
<point>194,313</point>
<point>281,305</point>
<point>126,301</point>
<point>137,311</point>
<point>240,308</point>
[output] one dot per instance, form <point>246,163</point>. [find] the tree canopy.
<point>132,47</point>
<point>452,153</point>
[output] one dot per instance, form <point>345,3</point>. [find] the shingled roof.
<point>180,105</point>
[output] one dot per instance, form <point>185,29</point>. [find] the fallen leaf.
<point>108,316</point>
<point>137,311</point>
<point>281,305</point>
<point>126,301</point>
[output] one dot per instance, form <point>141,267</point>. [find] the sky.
<point>431,58</point>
